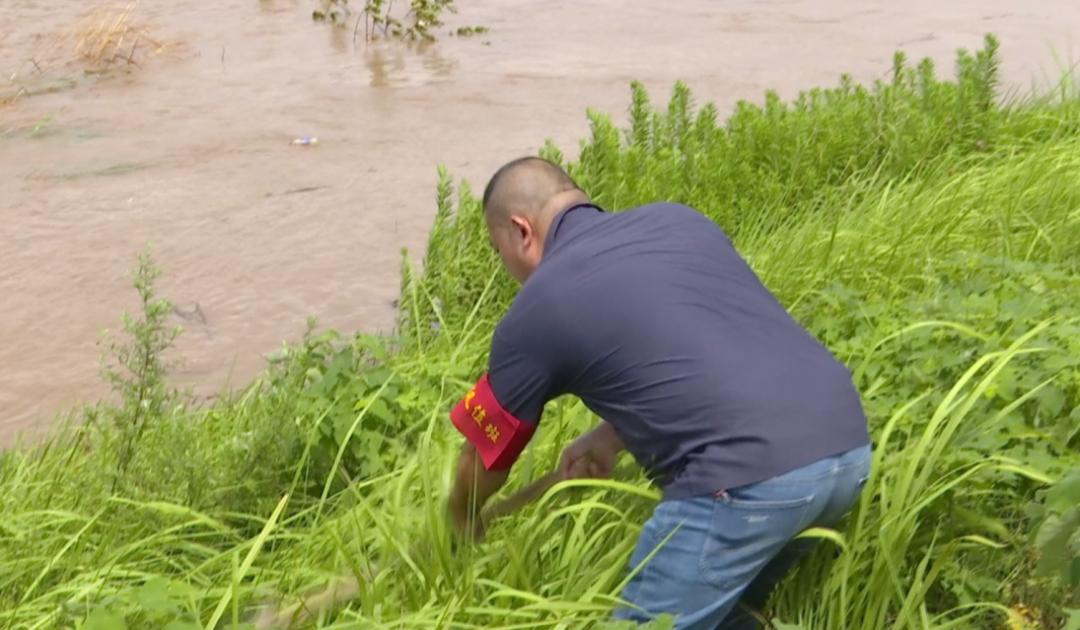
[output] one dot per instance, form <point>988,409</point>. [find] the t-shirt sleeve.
<point>500,414</point>
<point>521,382</point>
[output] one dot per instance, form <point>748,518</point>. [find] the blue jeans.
<point>729,551</point>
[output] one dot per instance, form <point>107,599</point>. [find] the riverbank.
<point>925,231</point>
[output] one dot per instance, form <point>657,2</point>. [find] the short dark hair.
<point>529,161</point>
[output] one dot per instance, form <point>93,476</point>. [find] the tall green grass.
<point>812,169</point>
<point>923,229</point>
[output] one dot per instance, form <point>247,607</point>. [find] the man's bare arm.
<point>473,486</point>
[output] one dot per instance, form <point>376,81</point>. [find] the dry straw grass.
<point>109,36</point>
<point>106,37</point>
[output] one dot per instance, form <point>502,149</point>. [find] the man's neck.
<point>556,204</point>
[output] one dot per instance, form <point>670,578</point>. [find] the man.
<point>753,430</point>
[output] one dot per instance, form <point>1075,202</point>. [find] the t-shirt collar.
<point>560,218</point>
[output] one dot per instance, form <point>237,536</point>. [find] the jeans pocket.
<point>739,502</point>
<point>749,527</point>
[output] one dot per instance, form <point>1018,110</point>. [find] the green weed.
<point>106,171</point>
<point>418,23</point>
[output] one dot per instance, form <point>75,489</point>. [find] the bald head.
<point>530,187</point>
<point>520,202</point>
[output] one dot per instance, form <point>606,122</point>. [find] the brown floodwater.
<point>191,151</point>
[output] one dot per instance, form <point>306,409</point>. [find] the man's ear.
<point>523,228</point>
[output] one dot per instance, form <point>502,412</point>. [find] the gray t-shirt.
<point>655,322</point>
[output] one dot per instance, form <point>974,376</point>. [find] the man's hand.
<point>592,455</point>
<point>467,523</point>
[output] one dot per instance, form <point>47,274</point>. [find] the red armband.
<point>498,436</point>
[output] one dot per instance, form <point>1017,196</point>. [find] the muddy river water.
<point>191,149</point>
